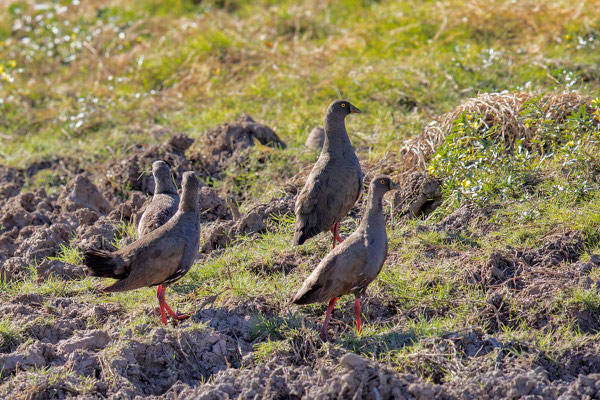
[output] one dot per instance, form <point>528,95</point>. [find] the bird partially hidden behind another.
<point>164,203</point>
<point>161,257</point>
<point>335,182</point>
<point>353,265</point>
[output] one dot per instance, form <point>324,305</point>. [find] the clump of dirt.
<point>420,194</point>
<point>72,338</point>
<point>508,385</point>
<point>10,176</point>
<point>58,269</point>
<point>8,190</point>
<point>100,235</point>
<point>277,378</point>
<point>315,138</point>
<point>258,219</point>
<point>152,366</point>
<point>227,144</point>
<point>132,209</point>
<point>466,217</point>
<point>284,264</point>
<point>515,280</point>
<point>212,207</point>
<point>134,172</point>
<point>80,192</point>
<point>25,209</point>
<point>493,109</point>
<point>509,265</point>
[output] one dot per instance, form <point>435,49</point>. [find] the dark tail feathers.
<point>299,238</point>
<point>101,263</point>
<point>306,297</point>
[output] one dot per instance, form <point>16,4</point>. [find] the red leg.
<point>164,306</point>
<point>327,318</point>
<point>176,316</point>
<point>160,294</point>
<point>357,314</point>
<point>336,236</point>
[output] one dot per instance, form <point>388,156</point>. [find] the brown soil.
<point>228,143</point>
<point>81,342</point>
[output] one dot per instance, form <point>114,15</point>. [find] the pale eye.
<point>343,104</point>
<point>382,181</point>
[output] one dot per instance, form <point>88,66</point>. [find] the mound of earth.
<point>227,144</point>
<point>492,109</point>
<point>257,220</point>
<point>418,196</point>
<point>135,171</point>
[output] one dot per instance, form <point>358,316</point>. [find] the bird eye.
<point>382,181</point>
<point>343,104</point>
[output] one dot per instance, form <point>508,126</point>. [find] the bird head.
<point>163,183</point>
<point>189,195</point>
<point>342,108</point>
<point>382,184</point>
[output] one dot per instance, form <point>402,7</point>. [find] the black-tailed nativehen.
<point>161,257</point>
<point>164,203</point>
<point>353,265</point>
<point>335,182</point>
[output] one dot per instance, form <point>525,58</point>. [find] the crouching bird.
<point>160,257</point>
<point>354,264</point>
<point>165,200</point>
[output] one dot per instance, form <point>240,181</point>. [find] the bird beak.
<point>354,110</point>
<point>394,186</point>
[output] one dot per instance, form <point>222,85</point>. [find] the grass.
<point>101,76</point>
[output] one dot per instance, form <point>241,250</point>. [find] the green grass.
<point>90,82</point>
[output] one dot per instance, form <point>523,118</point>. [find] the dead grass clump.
<point>502,110</point>
<point>520,21</point>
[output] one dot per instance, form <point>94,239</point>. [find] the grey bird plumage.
<point>353,265</point>
<point>335,182</point>
<point>162,256</point>
<point>164,203</point>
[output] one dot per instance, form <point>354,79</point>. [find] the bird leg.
<point>327,318</point>
<point>357,314</point>
<point>336,236</point>
<point>160,293</point>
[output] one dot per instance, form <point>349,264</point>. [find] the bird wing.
<point>159,211</point>
<point>337,274</point>
<point>153,263</point>
<point>326,197</point>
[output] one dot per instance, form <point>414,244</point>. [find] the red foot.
<point>327,318</point>
<point>336,237</point>
<point>160,293</point>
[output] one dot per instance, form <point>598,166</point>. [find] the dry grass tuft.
<point>494,109</point>
<point>521,19</point>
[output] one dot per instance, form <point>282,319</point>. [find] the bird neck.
<point>373,216</point>
<point>189,201</point>
<point>335,132</point>
<point>163,187</point>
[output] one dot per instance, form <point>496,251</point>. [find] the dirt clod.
<point>419,196</point>
<point>227,143</point>
<point>58,269</point>
<point>82,193</point>
<point>256,220</point>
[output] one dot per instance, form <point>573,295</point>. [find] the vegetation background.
<point>498,283</point>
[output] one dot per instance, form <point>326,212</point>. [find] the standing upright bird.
<point>335,182</point>
<point>353,265</point>
<point>164,203</point>
<point>160,257</point>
